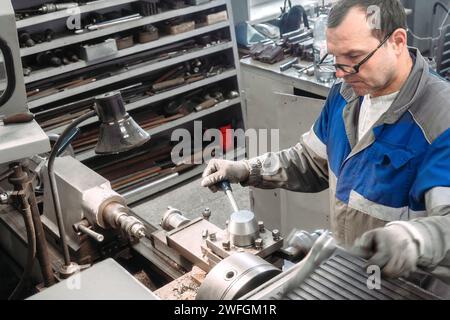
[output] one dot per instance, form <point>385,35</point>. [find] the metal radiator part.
<point>343,277</point>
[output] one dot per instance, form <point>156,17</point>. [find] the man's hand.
<point>391,248</point>
<point>219,170</point>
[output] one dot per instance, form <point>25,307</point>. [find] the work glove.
<point>219,170</point>
<point>392,248</point>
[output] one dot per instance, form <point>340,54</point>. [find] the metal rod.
<point>53,186</point>
<point>91,233</point>
<point>114,22</point>
<point>31,239</point>
<point>232,200</point>
<point>41,242</point>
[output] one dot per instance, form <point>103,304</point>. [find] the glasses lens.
<point>347,69</point>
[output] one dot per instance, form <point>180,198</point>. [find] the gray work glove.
<point>392,248</point>
<point>219,170</point>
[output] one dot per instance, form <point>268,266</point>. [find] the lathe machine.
<point>97,248</point>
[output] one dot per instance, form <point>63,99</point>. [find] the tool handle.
<point>18,118</point>
<point>225,185</point>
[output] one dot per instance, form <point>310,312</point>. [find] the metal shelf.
<point>76,38</point>
<point>54,71</point>
<point>186,88</point>
<point>135,71</point>
<point>173,124</point>
<point>88,7</point>
<point>160,97</point>
<point>169,181</point>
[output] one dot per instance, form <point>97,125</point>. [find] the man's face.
<point>350,43</point>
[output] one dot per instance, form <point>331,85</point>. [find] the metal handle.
<point>226,187</point>
<point>94,235</point>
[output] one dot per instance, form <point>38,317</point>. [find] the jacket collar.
<point>409,92</point>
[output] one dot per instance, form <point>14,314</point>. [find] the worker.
<point>381,143</point>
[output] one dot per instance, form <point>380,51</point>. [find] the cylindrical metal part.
<point>276,234</point>
<point>234,276</point>
<point>206,213</point>
<point>116,216</point>
<point>243,228</point>
<point>172,219</point>
<point>91,233</point>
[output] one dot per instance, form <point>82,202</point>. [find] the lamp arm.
<point>61,142</point>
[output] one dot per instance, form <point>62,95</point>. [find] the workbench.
<point>290,102</point>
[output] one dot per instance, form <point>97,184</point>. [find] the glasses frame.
<point>357,66</point>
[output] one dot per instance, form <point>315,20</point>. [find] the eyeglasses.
<point>346,68</point>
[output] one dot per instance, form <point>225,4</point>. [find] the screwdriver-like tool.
<point>226,187</point>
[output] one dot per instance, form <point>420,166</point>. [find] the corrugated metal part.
<point>341,277</point>
<point>344,277</point>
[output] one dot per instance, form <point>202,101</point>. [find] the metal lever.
<point>322,249</point>
<point>82,227</point>
<point>226,187</point>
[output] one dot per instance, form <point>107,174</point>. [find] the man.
<point>381,144</point>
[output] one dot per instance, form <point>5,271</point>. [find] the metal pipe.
<point>53,186</point>
<point>31,239</point>
<point>41,242</point>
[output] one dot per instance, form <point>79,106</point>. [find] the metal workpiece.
<point>243,228</point>
<point>172,219</point>
<point>234,276</point>
<point>280,286</point>
<point>299,242</point>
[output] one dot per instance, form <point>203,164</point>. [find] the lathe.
<point>84,242</point>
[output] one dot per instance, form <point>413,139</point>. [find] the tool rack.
<point>231,110</point>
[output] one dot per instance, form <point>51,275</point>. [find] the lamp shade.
<point>118,131</point>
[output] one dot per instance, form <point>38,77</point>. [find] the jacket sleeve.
<point>433,184</point>
<point>433,237</point>
<point>303,167</point>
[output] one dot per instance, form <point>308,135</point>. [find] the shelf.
<point>171,180</point>
<point>160,97</point>
<point>133,71</point>
<point>88,7</point>
<point>54,71</point>
<point>173,124</point>
<point>77,38</point>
